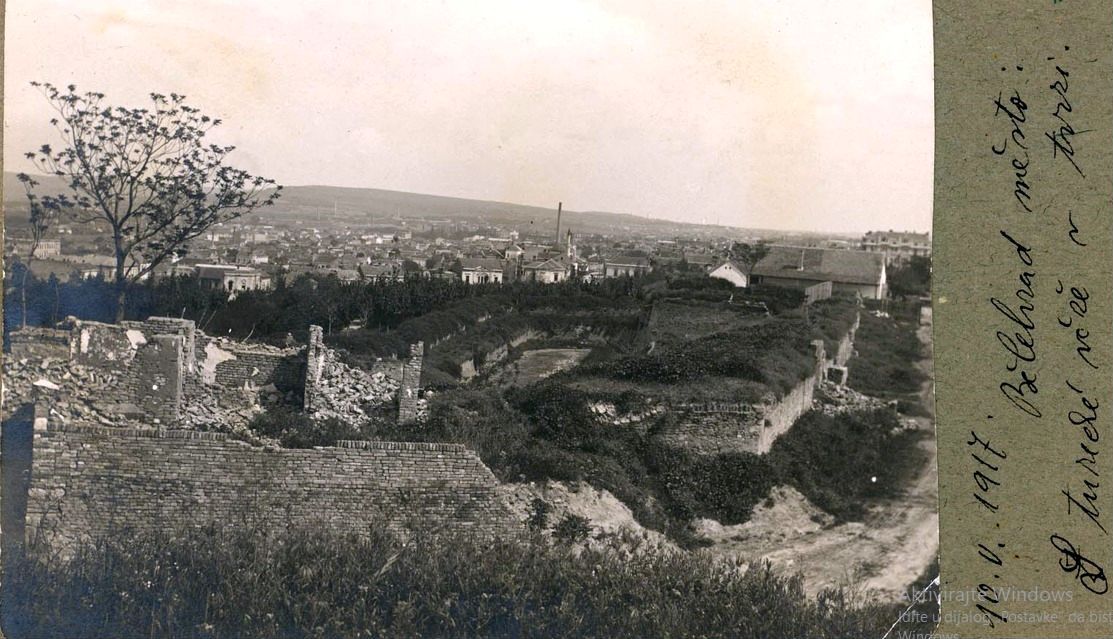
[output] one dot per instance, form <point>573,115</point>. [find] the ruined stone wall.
<point>33,342</point>
<point>314,366</point>
<point>471,367</point>
<point>499,355</point>
<point>156,379</point>
<point>170,326</point>
<point>110,345</point>
<point>845,349</point>
<point>207,377</point>
<point>779,416</point>
<point>88,481</point>
<point>754,429</point>
<point>746,428</point>
<point>712,432</point>
<point>259,368</point>
<point>408,405</point>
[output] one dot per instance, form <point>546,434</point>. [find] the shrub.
<point>572,529</point>
<point>539,510</point>
<point>838,461</point>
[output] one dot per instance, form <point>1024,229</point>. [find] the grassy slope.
<point>222,582</point>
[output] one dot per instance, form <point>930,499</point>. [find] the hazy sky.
<point>806,114</point>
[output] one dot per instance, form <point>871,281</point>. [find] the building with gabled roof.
<point>547,271</point>
<point>732,273</point>
<point>849,271</point>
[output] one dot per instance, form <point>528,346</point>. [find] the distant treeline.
<point>290,307</point>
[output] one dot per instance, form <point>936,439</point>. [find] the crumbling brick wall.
<point>170,326</point>
<point>408,406</point>
<point>315,355</point>
<point>156,378</point>
<point>213,370</point>
<point>97,344</point>
<point>259,368</point>
<point>753,429</point>
<point>34,342</point>
<point>88,481</point>
<point>712,430</point>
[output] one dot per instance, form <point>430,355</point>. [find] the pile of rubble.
<point>610,414</point>
<point>832,399</point>
<point>351,394</point>
<point>423,406</point>
<point>212,408</point>
<point>75,393</point>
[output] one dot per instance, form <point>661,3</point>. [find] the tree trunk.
<point>121,300</point>
<point>121,279</point>
<point>23,294</point>
<point>57,303</point>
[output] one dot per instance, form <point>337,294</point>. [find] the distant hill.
<point>13,189</point>
<point>363,205</point>
<point>333,205</point>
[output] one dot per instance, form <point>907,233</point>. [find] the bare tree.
<point>147,173</point>
<point>40,220</point>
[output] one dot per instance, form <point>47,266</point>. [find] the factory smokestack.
<point>559,206</point>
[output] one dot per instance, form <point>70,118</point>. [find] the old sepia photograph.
<point>598,318</point>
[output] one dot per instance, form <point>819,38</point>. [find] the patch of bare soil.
<point>610,520</point>
<point>879,556</point>
<point>535,365</point>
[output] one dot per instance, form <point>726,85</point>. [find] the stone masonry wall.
<point>314,364</point>
<point>408,405</point>
<point>39,343</point>
<point>156,379</point>
<point>259,368</point>
<point>88,481</point>
<point>743,428</point>
<point>845,348</point>
<point>754,428</point>
<point>473,366</point>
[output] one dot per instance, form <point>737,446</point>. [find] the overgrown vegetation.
<point>888,352</point>
<point>840,461</point>
<point>547,432</point>
<point>837,462</point>
<point>912,278</point>
<point>217,582</point>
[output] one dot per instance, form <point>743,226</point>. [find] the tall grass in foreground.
<point>309,583</point>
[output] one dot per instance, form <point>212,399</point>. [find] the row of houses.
<point>549,270</point>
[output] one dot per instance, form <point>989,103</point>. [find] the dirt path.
<point>882,555</point>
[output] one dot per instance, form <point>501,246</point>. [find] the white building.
<point>232,278</point>
<point>732,273</point>
<point>481,271</point>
